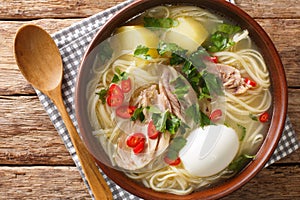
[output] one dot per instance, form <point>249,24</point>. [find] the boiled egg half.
<point>209,150</point>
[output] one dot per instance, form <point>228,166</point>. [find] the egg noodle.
<point>242,56</point>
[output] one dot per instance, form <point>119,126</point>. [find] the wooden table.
<point>34,163</point>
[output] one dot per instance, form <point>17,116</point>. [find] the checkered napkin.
<point>72,43</point>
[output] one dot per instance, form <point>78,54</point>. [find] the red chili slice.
<point>152,132</point>
<point>250,82</point>
<point>264,117</point>
<point>114,100</point>
<point>125,111</point>
<point>115,90</point>
<point>139,147</point>
<point>214,59</point>
<point>175,162</point>
<point>215,115</point>
<point>126,85</point>
<point>115,96</point>
<point>133,140</point>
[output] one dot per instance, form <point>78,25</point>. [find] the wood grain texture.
<point>31,9</point>
<point>41,182</point>
<point>285,34</point>
<point>283,185</point>
<point>27,136</point>
<point>46,182</point>
<point>270,8</point>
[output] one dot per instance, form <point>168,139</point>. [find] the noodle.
<point>241,56</point>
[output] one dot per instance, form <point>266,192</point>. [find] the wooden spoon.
<point>40,63</point>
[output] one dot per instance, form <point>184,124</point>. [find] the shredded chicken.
<point>232,80</point>
<point>127,159</point>
<point>165,89</point>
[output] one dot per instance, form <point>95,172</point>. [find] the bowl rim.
<point>279,103</point>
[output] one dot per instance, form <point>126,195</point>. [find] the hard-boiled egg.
<point>209,150</point>
<point>188,34</point>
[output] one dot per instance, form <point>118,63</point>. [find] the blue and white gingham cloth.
<point>72,43</point>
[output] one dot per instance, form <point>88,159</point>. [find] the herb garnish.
<point>253,117</point>
<point>166,121</point>
<point>181,88</point>
<point>102,95</point>
<point>212,84</point>
<point>193,112</point>
<point>160,22</point>
<point>243,134</point>
<point>221,38</point>
<point>118,76</point>
<point>175,146</point>
<point>142,52</point>
<point>138,114</point>
<point>240,162</point>
<point>197,115</point>
<point>176,53</point>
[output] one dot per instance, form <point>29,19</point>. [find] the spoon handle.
<point>96,181</point>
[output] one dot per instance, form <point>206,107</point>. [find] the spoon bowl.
<point>40,63</point>
<point>30,43</point>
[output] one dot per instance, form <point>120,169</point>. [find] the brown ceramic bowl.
<point>278,89</point>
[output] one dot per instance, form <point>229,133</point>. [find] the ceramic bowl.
<point>278,90</point>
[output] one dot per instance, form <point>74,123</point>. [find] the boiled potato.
<point>188,34</point>
<point>129,37</point>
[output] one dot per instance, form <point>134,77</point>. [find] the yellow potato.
<point>129,37</point>
<point>188,34</point>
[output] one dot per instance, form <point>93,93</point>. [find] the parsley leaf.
<point>142,52</point>
<point>239,162</point>
<point>243,134</point>
<point>175,146</point>
<point>172,124</point>
<point>138,114</point>
<point>204,119</point>
<point>228,28</point>
<point>166,121</point>
<point>221,38</point>
<point>196,58</point>
<point>102,95</point>
<point>160,22</point>
<point>193,112</point>
<point>253,117</point>
<point>176,53</point>
<point>219,41</point>
<point>212,83</point>
<point>192,75</point>
<point>118,76</point>
<point>160,120</point>
<point>181,88</point>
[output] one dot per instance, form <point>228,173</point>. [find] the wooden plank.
<point>285,35</point>
<point>24,124</point>
<point>46,182</point>
<point>271,8</point>
<point>42,183</point>
<point>27,136</point>
<point>285,39</point>
<point>280,183</point>
<point>31,9</point>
